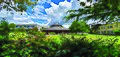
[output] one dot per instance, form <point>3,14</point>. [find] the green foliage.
<point>34,45</point>
<point>18,30</point>
<point>12,26</point>
<point>79,26</point>
<point>4,29</point>
<point>21,5</point>
<point>100,10</point>
<point>17,35</point>
<point>117,32</point>
<point>39,34</point>
<point>82,47</point>
<point>22,44</point>
<point>52,33</point>
<point>4,32</point>
<point>35,28</point>
<point>23,29</point>
<point>94,28</point>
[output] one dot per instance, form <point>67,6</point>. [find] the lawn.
<point>88,36</point>
<point>93,36</point>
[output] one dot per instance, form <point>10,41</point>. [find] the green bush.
<point>117,32</point>
<point>20,29</point>
<point>4,32</point>
<point>82,47</point>
<point>52,33</point>
<point>35,44</point>
<point>39,34</point>
<point>22,45</point>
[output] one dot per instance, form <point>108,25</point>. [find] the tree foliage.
<point>12,26</point>
<point>4,29</point>
<point>18,5</point>
<point>117,32</point>
<point>100,10</point>
<point>94,28</point>
<point>4,33</point>
<point>80,26</point>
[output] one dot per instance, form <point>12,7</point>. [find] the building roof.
<point>56,26</point>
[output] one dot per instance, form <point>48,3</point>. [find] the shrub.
<point>117,32</point>
<point>22,45</point>
<point>39,34</point>
<point>52,33</point>
<point>20,29</point>
<point>4,31</point>
<point>95,48</point>
<point>34,45</point>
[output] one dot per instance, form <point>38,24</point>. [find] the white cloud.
<point>38,9</point>
<point>4,13</point>
<point>53,14</point>
<point>22,17</point>
<point>57,12</point>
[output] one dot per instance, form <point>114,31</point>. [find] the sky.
<point>46,12</point>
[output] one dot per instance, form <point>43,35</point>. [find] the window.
<point>99,32</point>
<point>104,32</point>
<point>110,27</point>
<point>110,32</point>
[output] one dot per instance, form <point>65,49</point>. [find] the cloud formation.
<point>56,12</point>
<point>42,15</point>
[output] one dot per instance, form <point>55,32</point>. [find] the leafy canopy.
<point>4,29</point>
<point>18,5</point>
<point>79,26</point>
<point>100,10</point>
<point>12,25</point>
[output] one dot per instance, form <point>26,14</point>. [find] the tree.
<point>100,10</point>
<point>4,32</point>
<point>79,26</point>
<point>12,26</point>
<point>117,32</point>
<point>18,5</point>
<point>4,29</point>
<point>35,28</point>
<point>94,28</point>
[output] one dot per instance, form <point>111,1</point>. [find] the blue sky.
<point>46,12</point>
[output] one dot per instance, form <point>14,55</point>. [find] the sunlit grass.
<point>90,37</point>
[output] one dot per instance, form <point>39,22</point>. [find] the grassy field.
<point>93,36</point>
<point>88,36</point>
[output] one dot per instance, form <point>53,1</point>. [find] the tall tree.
<point>79,26</point>
<point>4,29</point>
<point>100,10</point>
<point>12,26</point>
<point>18,5</point>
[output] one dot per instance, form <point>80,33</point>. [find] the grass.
<point>92,36</point>
<point>88,36</point>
